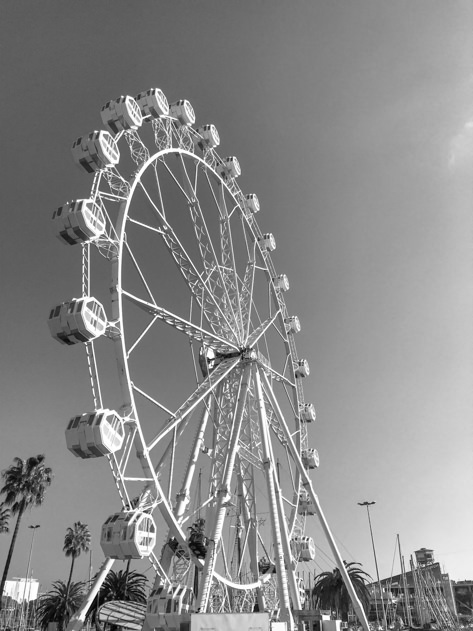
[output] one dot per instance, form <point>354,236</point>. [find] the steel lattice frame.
<point>244,416</point>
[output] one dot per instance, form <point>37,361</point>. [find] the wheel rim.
<point>192,271</point>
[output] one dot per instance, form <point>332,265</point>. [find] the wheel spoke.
<point>191,330</point>
<point>221,283</point>
<point>203,390</point>
<point>261,330</point>
<point>200,287</point>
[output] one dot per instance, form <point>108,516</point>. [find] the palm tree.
<point>4,517</point>
<point>25,483</point>
<point>331,593</point>
<point>59,604</point>
<point>121,585</point>
<point>77,540</point>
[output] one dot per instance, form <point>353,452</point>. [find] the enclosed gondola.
<point>95,434</point>
<point>95,152</point>
<point>182,111</point>
<point>78,320</point>
<point>303,548</point>
<point>281,282</point>
<point>306,505</point>
<point>252,203</point>
<point>228,168</point>
<point>209,137</point>
<point>307,413</point>
<point>80,221</point>
<point>152,103</point>
<point>128,535</point>
<point>293,324</point>
<point>302,369</point>
<point>122,114</point>
<point>267,242</point>
<point>169,607</point>
<point>310,458</point>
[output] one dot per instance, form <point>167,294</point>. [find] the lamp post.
<point>33,528</point>
<point>368,504</point>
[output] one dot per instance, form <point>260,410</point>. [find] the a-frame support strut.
<point>307,483</point>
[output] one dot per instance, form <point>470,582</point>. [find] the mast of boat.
<point>420,597</point>
<point>407,602</point>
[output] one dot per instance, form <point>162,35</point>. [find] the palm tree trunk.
<point>10,554</point>
<point>70,577</point>
<point>126,576</point>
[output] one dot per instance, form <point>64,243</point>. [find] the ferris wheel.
<point>198,403</point>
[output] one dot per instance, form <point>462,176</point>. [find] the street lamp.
<point>33,528</point>
<point>368,504</point>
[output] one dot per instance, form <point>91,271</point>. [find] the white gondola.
<point>252,203</point>
<point>306,505</point>
<point>310,458</point>
<point>209,137</point>
<point>229,167</point>
<point>95,434</point>
<point>80,221</point>
<point>302,370</point>
<point>293,324</point>
<point>281,282</point>
<point>301,590</point>
<point>303,548</point>
<point>183,111</point>
<point>168,599</point>
<point>153,103</point>
<point>267,242</point>
<point>121,114</point>
<point>96,151</point>
<point>307,413</point>
<point>128,535</point>
<point>78,320</point>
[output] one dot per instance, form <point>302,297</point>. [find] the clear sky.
<point>353,123</point>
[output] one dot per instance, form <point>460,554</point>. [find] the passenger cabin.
<point>183,111</point>
<point>209,137</point>
<point>80,221</point>
<point>152,103</point>
<point>301,589</point>
<point>229,168</point>
<point>267,242</point>
<point>293,324</point>
<point>281,282</point>
<point>78,320</point>
<point>310,458</point>
<point>95,434</point>
<point>252,203</point>
<point>307,413</point>
<point>95,152</point>
<point>302,370</point>
<point>306,505</point>
<point>128,535</point>
<point>303,548</point>
<point>169,606</point>
<point>122,114</point>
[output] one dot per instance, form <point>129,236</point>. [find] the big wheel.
<point>206,427</point>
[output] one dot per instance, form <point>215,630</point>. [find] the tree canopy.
<point>24,486</point>
<point>331,593</point>
<point>59,604</point>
